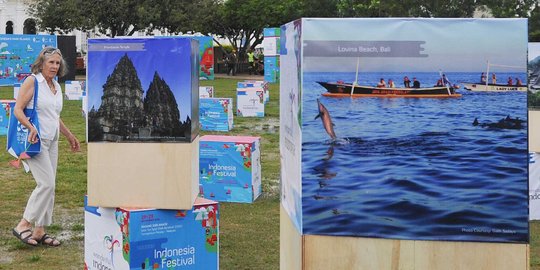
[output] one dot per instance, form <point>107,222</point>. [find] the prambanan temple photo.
<point>126,114</point>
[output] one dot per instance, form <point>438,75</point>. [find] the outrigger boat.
<point>493,87</point>
<point>341,89</point>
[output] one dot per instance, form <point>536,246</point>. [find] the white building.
<point>13,18</point>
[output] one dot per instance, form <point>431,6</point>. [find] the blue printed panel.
<point>230,170</point>
<point>17,54</point>
<point>271,69</point>
<point>216,114</point>
<point>117,238</point>
<point>4,116</point>
<point>271,32</point>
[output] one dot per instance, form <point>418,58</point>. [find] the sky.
<point>534,50</point>
<point>451,45</point>
<point>170,58</point>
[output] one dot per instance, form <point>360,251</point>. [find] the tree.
<point>534,24</point>
<point>241,22</point>
<point>406,8</point>
<point>113,18</point>
<point>56,15</point>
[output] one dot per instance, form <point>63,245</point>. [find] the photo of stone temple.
<point>127,114</point>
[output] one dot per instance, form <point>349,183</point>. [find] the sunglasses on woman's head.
<point>50,51</point>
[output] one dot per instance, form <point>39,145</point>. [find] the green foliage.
<point>56,15</point>
<point>34,258</point>
<point>533,100</point>
<point>534,24</point>
<point>406,8</point>
<point>241,22</point>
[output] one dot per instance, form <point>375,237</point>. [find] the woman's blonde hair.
<point>42,57</point>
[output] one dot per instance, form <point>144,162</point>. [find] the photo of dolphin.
<point>505,123</point>
<point>326,120</point>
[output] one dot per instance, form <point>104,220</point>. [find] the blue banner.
<point>18,52</point>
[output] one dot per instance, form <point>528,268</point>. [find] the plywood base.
<point>328,252</point>
<point>144,175</point>
<point>534,131</point>
<point>290,243</point>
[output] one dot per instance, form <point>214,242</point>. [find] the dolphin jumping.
<point>326,120</point>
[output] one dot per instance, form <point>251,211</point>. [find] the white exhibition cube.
<point>250,100</point>
<point>206,91</point>
<point>74,90</point>
<point>16,88</point>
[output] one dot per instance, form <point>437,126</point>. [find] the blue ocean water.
<point>411,168</point>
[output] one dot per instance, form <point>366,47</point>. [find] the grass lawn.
<point>249,233</point>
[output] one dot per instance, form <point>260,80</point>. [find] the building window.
<point>29,26</point>
<point>9,27</point>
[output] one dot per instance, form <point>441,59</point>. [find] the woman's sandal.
<point>43,241</point>
<point>25,239</point>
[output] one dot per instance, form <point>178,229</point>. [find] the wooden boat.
<point>340,89</point>
<point>493,87</point>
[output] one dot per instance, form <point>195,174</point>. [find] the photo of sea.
<point>415,168</point>
<point>390,162</point>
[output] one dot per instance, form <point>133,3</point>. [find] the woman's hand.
<point>74,143</point>
<point>33,135</point>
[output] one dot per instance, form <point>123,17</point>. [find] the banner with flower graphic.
<point>230,168</point>
<point>121,238</point>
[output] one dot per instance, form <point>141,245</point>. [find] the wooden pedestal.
<point>328,252</point>
<point>144,175</point>
<point>534,131</point>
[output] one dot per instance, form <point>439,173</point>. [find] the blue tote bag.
<point>17,135</point>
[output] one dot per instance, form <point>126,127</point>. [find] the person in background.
<point>493,78</point>
<point>251,61</point>
<point>510,81</point>
<point>483,78</point>
<point>381,84</point>
<point>39,208</point>
<point>406,82</point>
<point>446,82</point>
<point>518,82</point>
<point>391,83</point>
<point>416,83</point>
<point>231,63</point>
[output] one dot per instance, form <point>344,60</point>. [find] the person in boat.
<point>446,82</point>
<point>518,82</point>
<point>407,82</point>
<point>439,83</point>
<point>391,83</point>
<point>510,81</point>
<point>416,83</point>
<point>381,84</point>
<point>493,78</point>
<point>483,78</point>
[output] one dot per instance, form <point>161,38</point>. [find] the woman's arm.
<point>73,142</point>
<point>26,93</point>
